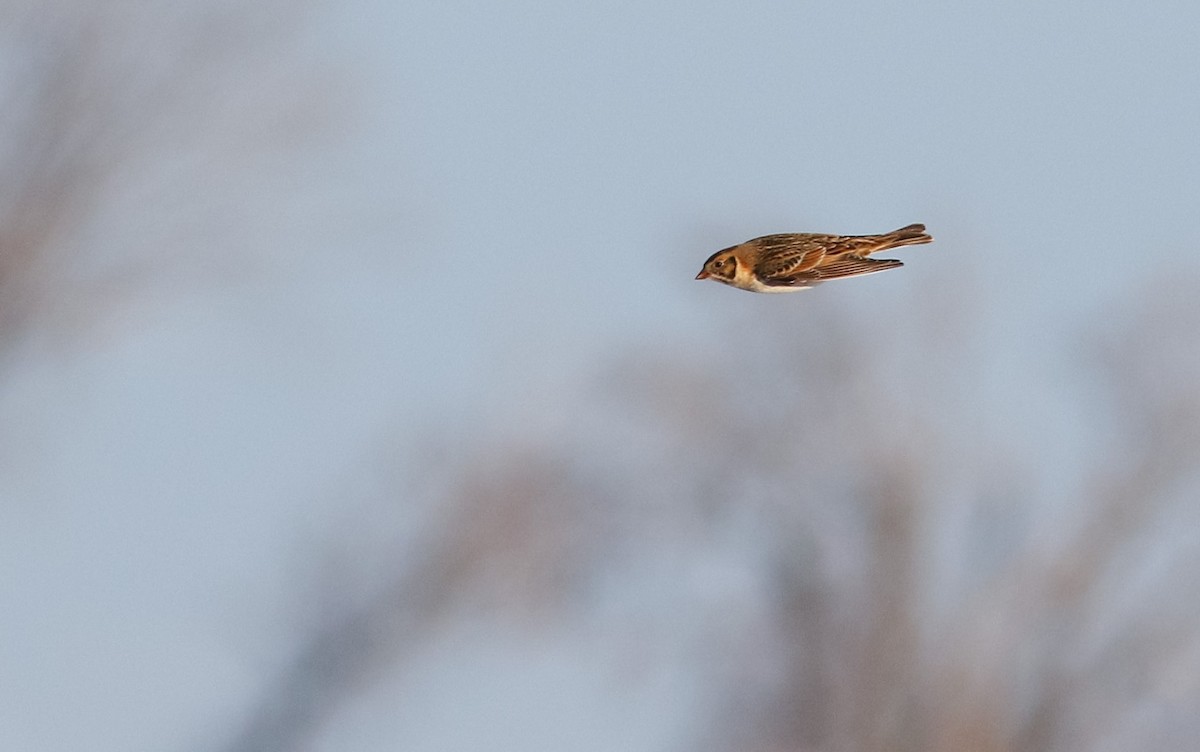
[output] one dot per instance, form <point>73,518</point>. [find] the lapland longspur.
<point>796,261</point>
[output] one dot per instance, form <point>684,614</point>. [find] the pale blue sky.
<point>509,197</point>
<point>573,165</point>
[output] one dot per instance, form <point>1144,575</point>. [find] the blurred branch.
<point>1005,672</point>
<point>1037,612</point>
<point>87,92</point>
<point>516,539</point>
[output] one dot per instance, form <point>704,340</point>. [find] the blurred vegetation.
<point>91,96</point>
<point>909,590</point>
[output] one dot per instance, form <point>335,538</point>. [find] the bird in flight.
<point>797,261</point>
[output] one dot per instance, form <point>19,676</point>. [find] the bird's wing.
<point>846,266</point>
<point>785,255</point>
<point>852,266</point>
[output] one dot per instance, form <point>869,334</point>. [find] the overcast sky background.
<point>493,203</point>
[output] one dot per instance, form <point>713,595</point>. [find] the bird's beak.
<point>702,275</point>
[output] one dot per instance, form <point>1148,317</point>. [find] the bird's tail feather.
<point>911,235</point>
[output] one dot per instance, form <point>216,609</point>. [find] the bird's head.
<point>722,265</point>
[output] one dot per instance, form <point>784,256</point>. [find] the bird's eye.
<point>719,263</point>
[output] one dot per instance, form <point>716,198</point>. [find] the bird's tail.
<point>911,235</point>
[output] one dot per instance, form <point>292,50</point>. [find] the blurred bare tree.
<point>853,461</point>
<point>89,94</point>
<point>518,534</point>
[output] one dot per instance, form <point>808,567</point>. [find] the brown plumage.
<point>796,261</point>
